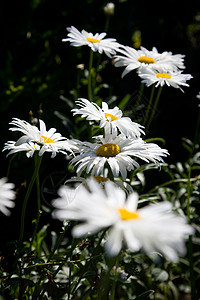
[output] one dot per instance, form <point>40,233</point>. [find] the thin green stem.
<point>107,23</point>
<point>173,181</point>
<point>37,160</point>
<point>35,174</point>
<point>87,265</point>
<point>90,77</point>
<point>149,104</point>
<point>138,98</point>
<point>9,164</point>
<point>188,194</point>
<point>196,137</point>
<point>58,242</point>
<point>190,246</point>
<point>154,108</point>
<point>112,296</point>
<point>192,277</point>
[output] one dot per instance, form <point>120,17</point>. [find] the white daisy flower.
<point>95,41</point>
<point>135,59</point>
<point>171,78</point>
<point>7,195</point>
<point>111,119</point>
<point>116,153</point>
<point>49,141</point>
<point>152,228</point>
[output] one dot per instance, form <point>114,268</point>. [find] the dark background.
<point>37,67</point>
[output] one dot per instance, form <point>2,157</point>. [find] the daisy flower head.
<point>133,59</point>
<point>172,78</point>
<point>7,195</point>
<point>111,119</point>
<point>147,59</point>
<point>97,42</point>
<point>116,153</point>
<point>48,141</point>
<point>151,228</point>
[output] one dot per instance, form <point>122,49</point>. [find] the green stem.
<point>188,194</point>
<point>87,265</point>
<point>107,23</point>
<point>35,174</point>
<point>9,164</point>
<point>191,267</point>
<point>171,182</point>
<point>196,137</point>
<point>190,246</point>
<point>112,296</point>
<point>154,108</point>
<point>149,104</point>
<point>138,98</point>
<point>58,242</point>
<point>90,76</point>
<point>37,161</point>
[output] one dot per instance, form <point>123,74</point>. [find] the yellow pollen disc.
<point>108,150</point>
<point>146,60</point>
<point>113,118</point>
<point>100,179</point>
<point>91,40</point>
<point>163,75</point>
<point>47,140</point>
<point>127,215</point>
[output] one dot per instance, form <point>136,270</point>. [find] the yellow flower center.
<point>108,150</point>
<point>46,139</point>
<point>100,179</point>
<point>163,75</point>
<point>113,118</point>
<point>91,40</point>
<point>146,60</point>
<point>127,215</point>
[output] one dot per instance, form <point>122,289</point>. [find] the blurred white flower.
<point>95,41</point>
<point>117,153</point>
<point>172,78</point>
<point>38,139</point>
<point>198,97</point>
<point>7,195</point>
<point>109,8</point>
<point>111,119</point>
<point>152,228</point>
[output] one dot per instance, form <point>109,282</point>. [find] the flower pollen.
<point>91,40</point>
<point>163,75</point>
<point>47,140</point>
<point>113,118</point>
<point>127,215</point>
<point>146,60</point>
<point>108,150</point>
